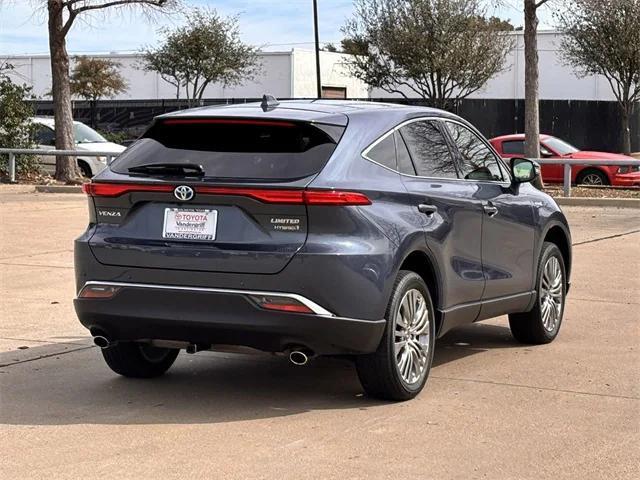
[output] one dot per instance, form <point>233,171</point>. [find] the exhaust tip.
<point>100,341</point>
<point>298,358</point>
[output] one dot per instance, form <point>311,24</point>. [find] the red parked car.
<point>510,146</point>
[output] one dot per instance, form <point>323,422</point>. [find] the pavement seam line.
<point>30,265</point>
<point>2,365</point>
<point>533,387</point>
<point>36,254</point>
<point>599,300</point>
<point>606,238</point>
<point>54,342</point>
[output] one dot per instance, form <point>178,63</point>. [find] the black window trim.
<point>455,153</point>
<point>484,141</point>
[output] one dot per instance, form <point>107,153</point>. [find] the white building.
<point>289,74</point>
<point>292,75</point>
<point>557,80</point>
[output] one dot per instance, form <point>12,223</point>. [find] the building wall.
<point>276,77</point>
<point>292,75</point>
<point>557,80</point>
<point>334,73</point>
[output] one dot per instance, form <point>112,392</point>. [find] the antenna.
<point>269,102</point>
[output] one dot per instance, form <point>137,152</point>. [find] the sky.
<point>271,24</point>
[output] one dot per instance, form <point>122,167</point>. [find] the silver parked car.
<point>86,139</point>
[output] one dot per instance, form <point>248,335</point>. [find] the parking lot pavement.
<point>492,408</point>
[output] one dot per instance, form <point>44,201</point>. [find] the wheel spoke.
<point>412,333</point>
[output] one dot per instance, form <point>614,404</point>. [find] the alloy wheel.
<point>411,340</point>
<point>592,179</point>
<point>551,294</point>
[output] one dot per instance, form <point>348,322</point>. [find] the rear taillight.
<point>282,304</point>
<point>98,291</point>
<point>335,197</point>
<point>117,189</point>
<point>265,195</point>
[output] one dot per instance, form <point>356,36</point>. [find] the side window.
<point>384,153</point>
<point>429,150</point>
<point>45,136</point>
<point>405,165</point>
<point>477,160</point>
<point>513,147</point>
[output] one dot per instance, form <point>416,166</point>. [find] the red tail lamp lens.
<point>282,304</point>
<point>227,121</point>
<point>335,197</point>
<point>117,189</point>
<point>98,291</point>
<point>265,195</point>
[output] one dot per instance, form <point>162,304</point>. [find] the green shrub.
<point>16,129</point>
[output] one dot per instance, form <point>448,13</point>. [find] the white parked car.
<point>86,138</point>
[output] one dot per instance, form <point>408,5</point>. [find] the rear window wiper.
<point>176,169</point>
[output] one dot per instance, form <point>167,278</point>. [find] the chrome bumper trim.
<point>317,309</point>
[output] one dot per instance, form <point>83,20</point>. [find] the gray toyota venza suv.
<point>316,228</point>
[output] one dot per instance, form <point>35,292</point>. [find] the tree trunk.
<point>531,104</point>
<point>66,167</point>
<point>626,128</point>
<point>92,113</point>
<point>531,108</point>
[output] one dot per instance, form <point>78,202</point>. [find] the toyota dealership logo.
<point>183,193</point>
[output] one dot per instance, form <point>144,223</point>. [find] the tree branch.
<point>117,3</point>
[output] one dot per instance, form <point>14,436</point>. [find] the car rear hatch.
<point>211,194</point>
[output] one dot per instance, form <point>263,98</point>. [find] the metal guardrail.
<point>568,163</point>
<point>12,152</point>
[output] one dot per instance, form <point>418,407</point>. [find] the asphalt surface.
<point>492,408</point>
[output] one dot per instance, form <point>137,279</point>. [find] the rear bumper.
<point>222,317</point>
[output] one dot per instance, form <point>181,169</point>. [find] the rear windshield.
<point>235,149</point>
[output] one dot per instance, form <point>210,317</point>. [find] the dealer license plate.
<point>190,224</point>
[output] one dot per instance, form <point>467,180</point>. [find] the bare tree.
<point>602,37</point>
<point>61,16</point>
<point>437,49</point>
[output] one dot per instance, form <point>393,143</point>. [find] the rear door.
<point>452,216</point>
<point>507,226</point>
<point>244,214</point>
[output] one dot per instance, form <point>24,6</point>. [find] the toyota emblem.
<point>183,193</point>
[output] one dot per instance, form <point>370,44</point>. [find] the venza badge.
<point>183,193</point>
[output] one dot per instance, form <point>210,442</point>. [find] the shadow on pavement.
<point>77,388</point>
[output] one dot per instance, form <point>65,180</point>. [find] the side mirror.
<point>524,170</point>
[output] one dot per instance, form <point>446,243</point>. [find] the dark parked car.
<point>316,228</point>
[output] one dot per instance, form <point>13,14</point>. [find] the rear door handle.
<point>490,210</point>
<point>427,209</point>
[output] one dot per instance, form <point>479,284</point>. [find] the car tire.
<point>397,370</point>
<point>85,169</point>
<point>592,176</point>
<point>139,360</point>
<point>542,324</point>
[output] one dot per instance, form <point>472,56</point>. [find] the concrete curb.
<point>598,202</point>
<point>59,188</point>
